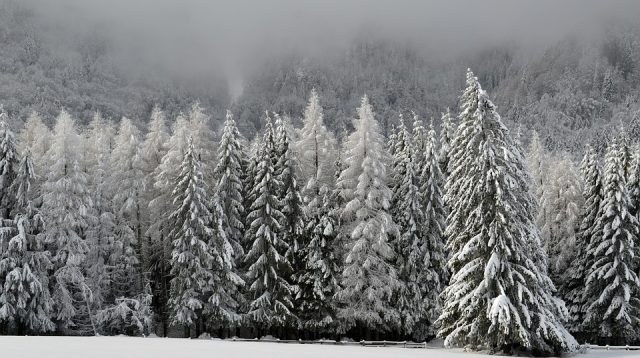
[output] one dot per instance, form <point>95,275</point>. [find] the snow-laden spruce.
<point>66,212</point>
<point>432,273</point>
<point>572,289</point>
<point>633,182</point>
<point>100,234</point>
<point>228,183</point>
<point>270,293</point>
<point>26,305</point>
<point>126,183</point>
<point>160,208</point>
<point>408,214</point>
<point>369,277</point>
<point>201,257</point>
<point>498,297</point>
<point>9,159</point>
<point>611,292</point>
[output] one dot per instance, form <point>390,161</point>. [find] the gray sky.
<point>197,35</point>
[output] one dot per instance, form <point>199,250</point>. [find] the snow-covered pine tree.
<point>293,209</point>
<point>498,297</point>
<point>611,292</point>
<point>572,289</point>
<point>566,202</point>
<point>408,214</point>
<point>224,297</point>
<point>447,132</point>
<point>26,305</point>
<point>66,210</point>
<point>633,183</point>
<point>160,208</point>
<point>153,149</point>
<point>270,293</point>
<point>127,185</point>
<point>316,279</point>
<point>191,234</point>
<point>229,173</point>
<point>9,159</point>
<point>99,235</point>
<point>430,259</point>
<point>369,278</point>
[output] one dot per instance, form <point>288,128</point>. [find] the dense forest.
<point>377,193</point>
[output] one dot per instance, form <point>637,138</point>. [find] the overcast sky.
<point>201,34</point>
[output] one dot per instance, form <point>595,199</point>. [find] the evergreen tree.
<point>430,258</point>
<point>127,183</point>
<point>66,208</point>
<point>369,277</point>
<point>611,292</point>
<point>9,159</point>
<point>100,232</point>
<point>270,293</point>
<point>498,297</point>
<point>25,300</point>
<point>229,187</point>
<point>192,259</point>
<point>408,215</point>
<point>160,208</point>
<point>293,210</point>
<point>153,149</point>
<point>574,284</point>
<point>633,183</point>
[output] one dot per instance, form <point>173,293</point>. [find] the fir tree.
<point>408,215</point>
<point>229,187</point>
<point>293,224</point>
<point>369,278</point>
<point>100,232</point>
<point>612,303</point>
<point>66,208</point>
<point>127,183</point>
<point>25,300</point>
<point>270,292</point>
<point>9,159</point>
<point>191,258</point>
<point>498,297</point>
<point>430,259</point>
<point>574,284</point>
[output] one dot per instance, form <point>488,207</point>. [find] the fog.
<point>197,36</point>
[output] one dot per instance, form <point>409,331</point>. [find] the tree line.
<point>297,233</point>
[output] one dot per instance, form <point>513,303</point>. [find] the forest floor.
<point>131,347</point>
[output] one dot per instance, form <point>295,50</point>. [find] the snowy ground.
<point>127,347</point>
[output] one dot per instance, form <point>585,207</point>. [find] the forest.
<point>379,192</point>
